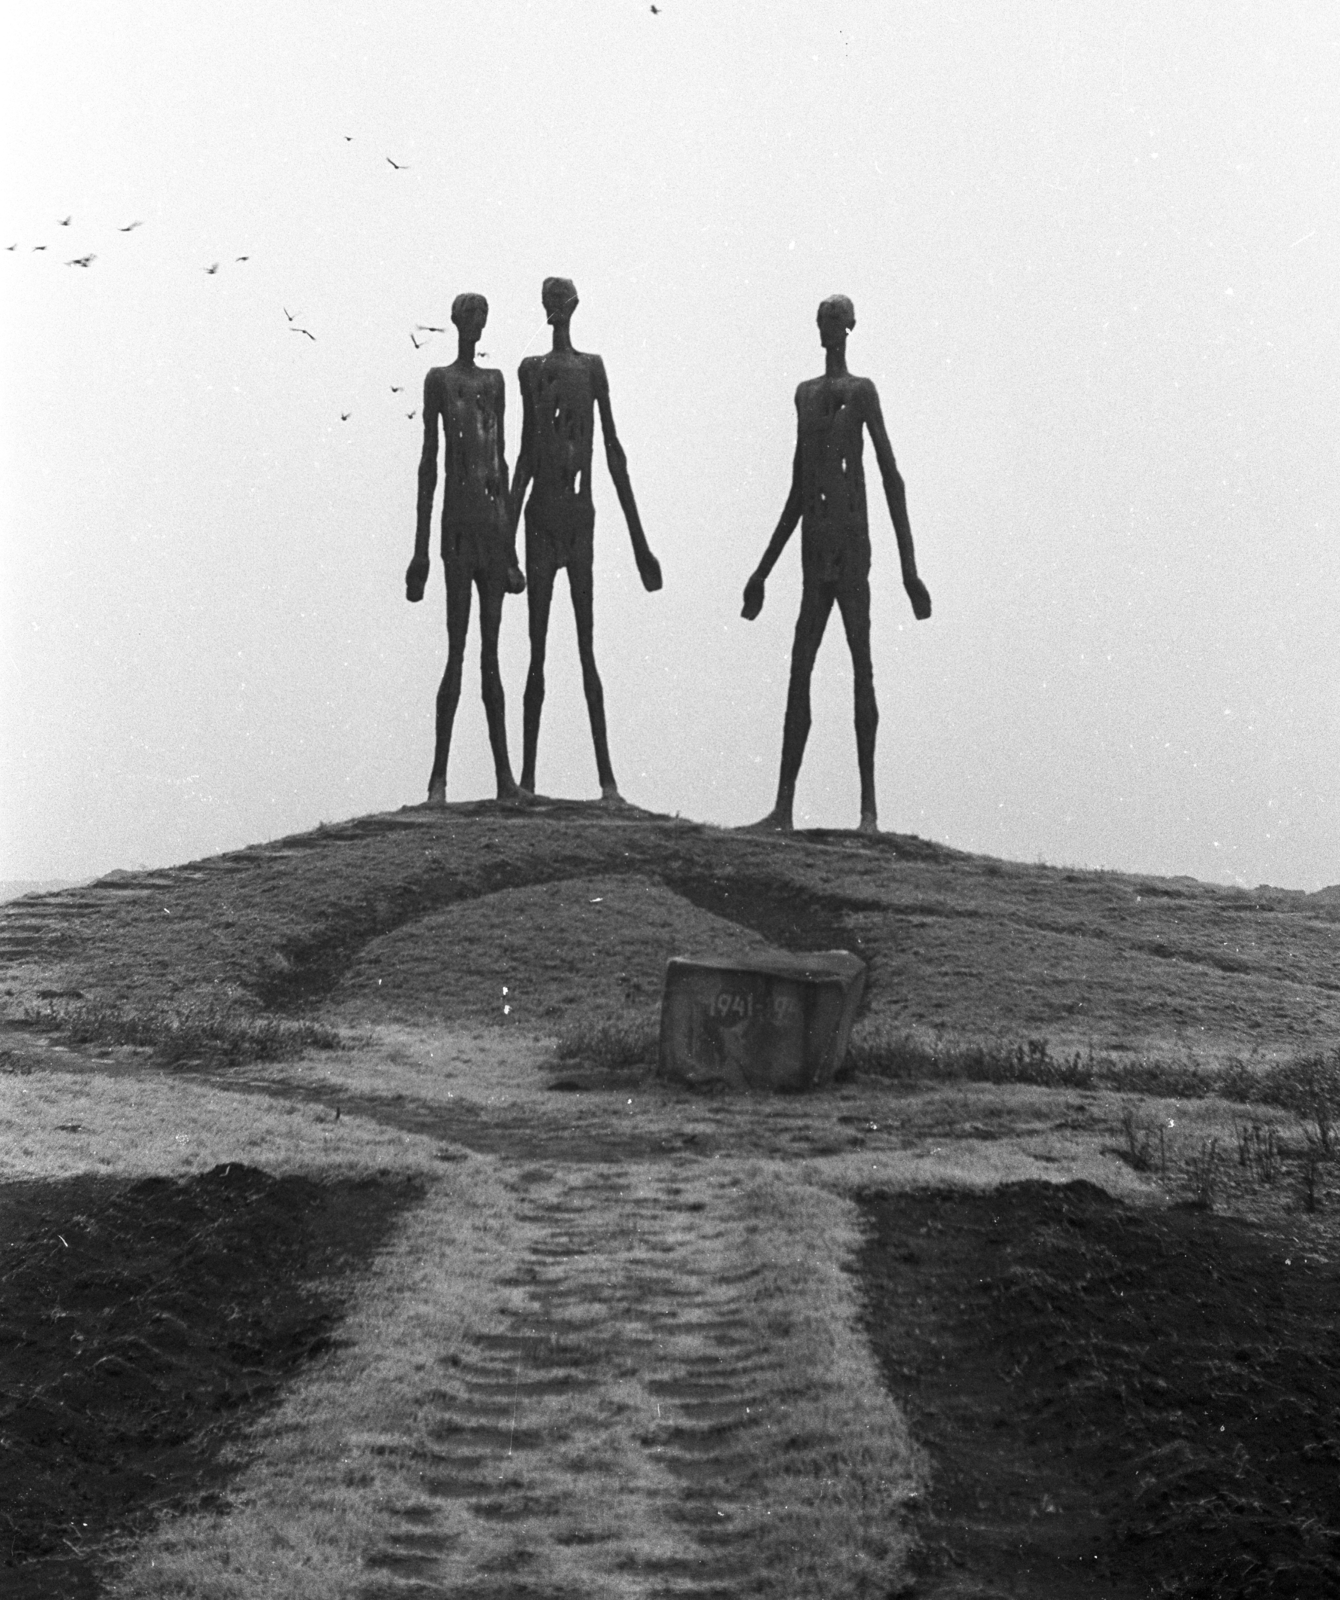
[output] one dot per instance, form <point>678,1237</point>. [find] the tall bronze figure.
<point>828,500</point>
<point>478,536</point>
<point>559,394</point>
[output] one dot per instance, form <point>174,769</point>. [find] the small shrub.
<point>1202,1172</point>
<point>1259,1152</point>
<point>1314,1156</point>
<point>1139,1150</point>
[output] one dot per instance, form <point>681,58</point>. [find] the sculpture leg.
<point>854,603</point>
<point>458,625</point>
<point>581,582</point>
<point>495,704</point>
<point>539,593</point>
<point>815,603</point>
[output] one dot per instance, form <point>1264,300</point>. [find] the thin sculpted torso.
<point>831,414</point>
<point>559,393</point>
<point>474,467</point>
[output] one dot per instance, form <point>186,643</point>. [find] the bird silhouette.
<point>417,343</point>
<point>348,138</point>
<point>311,336</point>
<point>39,247</point>
<point>13,246</point>
<point>345,415</point>
<point>81,261</point>
<point>66,221</point>
<point>130,227</point>
<point>241,258</point>
<point>423,327</point>
<point>212,270</point>
<point>396,388</point>
<point>483,355</point>
<point>287,312</point>
<point>397,165</point>
<point>411,415</point>
<point>656,11</point>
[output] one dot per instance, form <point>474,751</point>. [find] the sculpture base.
<point>778,1023</point>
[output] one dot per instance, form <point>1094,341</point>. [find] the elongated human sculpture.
<point>828,500</point>
<point>560,393</point>
<point>478,536</point>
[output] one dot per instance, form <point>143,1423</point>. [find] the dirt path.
<point>624,1429</point>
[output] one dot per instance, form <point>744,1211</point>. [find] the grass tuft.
<point>1309,1085</point>
<point>611,1046</point>
<point>211,1034</point>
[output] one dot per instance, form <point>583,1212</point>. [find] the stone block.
<point>778,1023</point>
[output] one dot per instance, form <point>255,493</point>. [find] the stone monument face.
<point>834,413</point>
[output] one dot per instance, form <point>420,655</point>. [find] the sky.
<point>1093,252</point>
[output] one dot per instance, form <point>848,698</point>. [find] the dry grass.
<point>54,1125</point>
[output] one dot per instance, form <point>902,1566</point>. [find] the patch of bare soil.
<point>1116,1402</point>
<point>141,1326</point>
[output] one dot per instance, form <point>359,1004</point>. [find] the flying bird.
<point>82,261</point>
<point>311,336</point>
<point>66,221</point>
<point>396,388</point>
<point>656,11</point>
<point>39,247</point>
<point>287,312</point>
<point>13,246</point>
<point>348,138</point>
<point>345,415</point>
<point>410,415</point>
<point>212,270</point>
<point>241,258</point>
<point>417,343</point>
<point>424,328</point>
<point>130,227</point>
<point>397,165</point>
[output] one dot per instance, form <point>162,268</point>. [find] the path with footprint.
<point>629,1422</point>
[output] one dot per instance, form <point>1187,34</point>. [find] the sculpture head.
<point>559,298</point>
<point>470,312</point>
<point>837,317</point>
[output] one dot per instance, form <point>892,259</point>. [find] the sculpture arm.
<point>895,492</point>
<point>516,581</point>
<point>416,575</point>
<point>647,564</point>
<point>525,459</point>
<point>786,526</point>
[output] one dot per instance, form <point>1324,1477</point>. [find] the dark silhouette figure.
<point>828,500</point>
<point>478,538</point>
<point>559,394</point>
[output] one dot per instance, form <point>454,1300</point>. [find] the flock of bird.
<point>426,329</point>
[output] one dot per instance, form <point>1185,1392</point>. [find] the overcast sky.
<point>1094,253</point>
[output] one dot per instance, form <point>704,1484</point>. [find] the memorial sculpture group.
<point>560,392</point>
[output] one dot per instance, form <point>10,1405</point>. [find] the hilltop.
<point>560,914</point>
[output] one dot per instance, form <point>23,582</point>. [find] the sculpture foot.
<point>524,795</point>
<point>610,796</point>
<point>867,824</point>
<point>437,794</point>
<point>776,821</point>
<point>508,789</point>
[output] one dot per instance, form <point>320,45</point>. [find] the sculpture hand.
<point>920,596</point>
<point>416,578</point>
<point>650,569</point>
<point>753,598</point>
<point>516,579</point>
